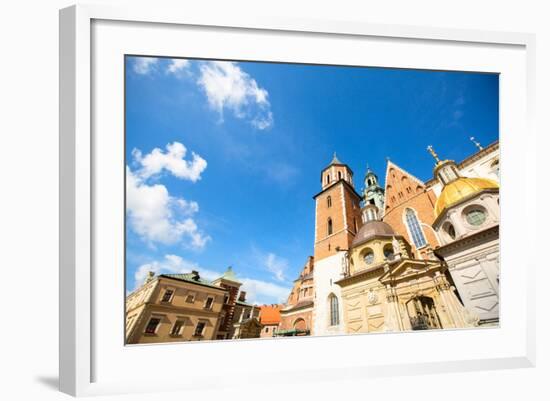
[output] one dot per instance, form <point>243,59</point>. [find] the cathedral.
<point>411,255</point>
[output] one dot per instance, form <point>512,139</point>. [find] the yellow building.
<point>385,289</point>
<point>173,308</point>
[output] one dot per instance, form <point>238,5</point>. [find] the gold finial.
<point>476,143</point>
<point>432,152</point>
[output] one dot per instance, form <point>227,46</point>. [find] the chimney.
<point>195,275</point>
<point>242,296</point>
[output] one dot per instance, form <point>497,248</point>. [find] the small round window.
<point>476,217</point>
<point>369,257</point>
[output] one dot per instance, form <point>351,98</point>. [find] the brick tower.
<point>337,221</point>
<point>337,210</point>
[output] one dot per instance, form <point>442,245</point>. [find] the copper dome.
<point>372,229</point>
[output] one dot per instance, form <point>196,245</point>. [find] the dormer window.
<point>369,257</point>
<point>388,252</point>
<point>450,230</point>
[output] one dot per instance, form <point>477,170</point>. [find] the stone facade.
<point>327,272</point>
<point>296,315</point>
<point>468,216</point>
<point>185,307</point>
<point>386,290</point>
<point>172,308</point>
<point>246,320</point>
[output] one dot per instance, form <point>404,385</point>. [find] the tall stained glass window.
<point>414,228</point>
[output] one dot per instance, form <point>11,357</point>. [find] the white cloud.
<point>257,291</point>
<point>227,86</point>
<point>264,292</point>
<point>263,121</point>
<point>158,217</point>
<point>144,65</point>
<point>178,67</point>
<point>173,161</point>
<point>276,265</point>
<point>172,264</point>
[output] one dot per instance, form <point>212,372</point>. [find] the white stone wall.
<point>475,272</point>
<point>489,202</point>
<point>326,272</point>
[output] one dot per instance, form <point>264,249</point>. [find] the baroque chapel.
<point>413,255</point>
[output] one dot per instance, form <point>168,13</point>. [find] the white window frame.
<point>182,327</point>
<point>164,290</point>
<point>153,316</point>
<point>205,321</point>
<point>192,294</point>
<point>213,298</point>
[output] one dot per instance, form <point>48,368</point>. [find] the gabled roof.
<point>388,181</point>
<point>407,268</point>
<point>405,172</point>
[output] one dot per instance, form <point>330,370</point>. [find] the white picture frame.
<point>81,347</point>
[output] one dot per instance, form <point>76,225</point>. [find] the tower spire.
<point>432,152</point>
<point>476,143</point>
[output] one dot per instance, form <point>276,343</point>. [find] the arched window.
<point>339,175</point>
<point>300,324</point>
<point>414,229</point>
<point>334,314</point>
<point>328,178</point>
<point>329,201</point>
<point>329,224</point>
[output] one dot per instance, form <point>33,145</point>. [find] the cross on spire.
<point>432,152</point>
<point>476,143</point>
<point>335,159</point>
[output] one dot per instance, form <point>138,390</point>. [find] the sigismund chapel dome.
<point>371,229</point>
<point>460,189</point>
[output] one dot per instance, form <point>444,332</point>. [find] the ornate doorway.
<point>422,313</point>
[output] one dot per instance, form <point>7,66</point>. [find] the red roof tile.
<point>270,314</point>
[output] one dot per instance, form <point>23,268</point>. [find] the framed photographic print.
<point>235,188</point>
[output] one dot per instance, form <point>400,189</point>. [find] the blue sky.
<point>223,158</point>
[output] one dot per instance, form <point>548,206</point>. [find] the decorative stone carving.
<point>372,297</point>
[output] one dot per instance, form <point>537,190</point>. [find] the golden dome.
<point>459,189</point>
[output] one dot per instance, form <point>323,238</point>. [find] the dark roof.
<point>371,229</point>
<point>299,305</point>
<point>336,183</point>
<point>335,160</point>
<point>245,304</point>
<point>191,278</point>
